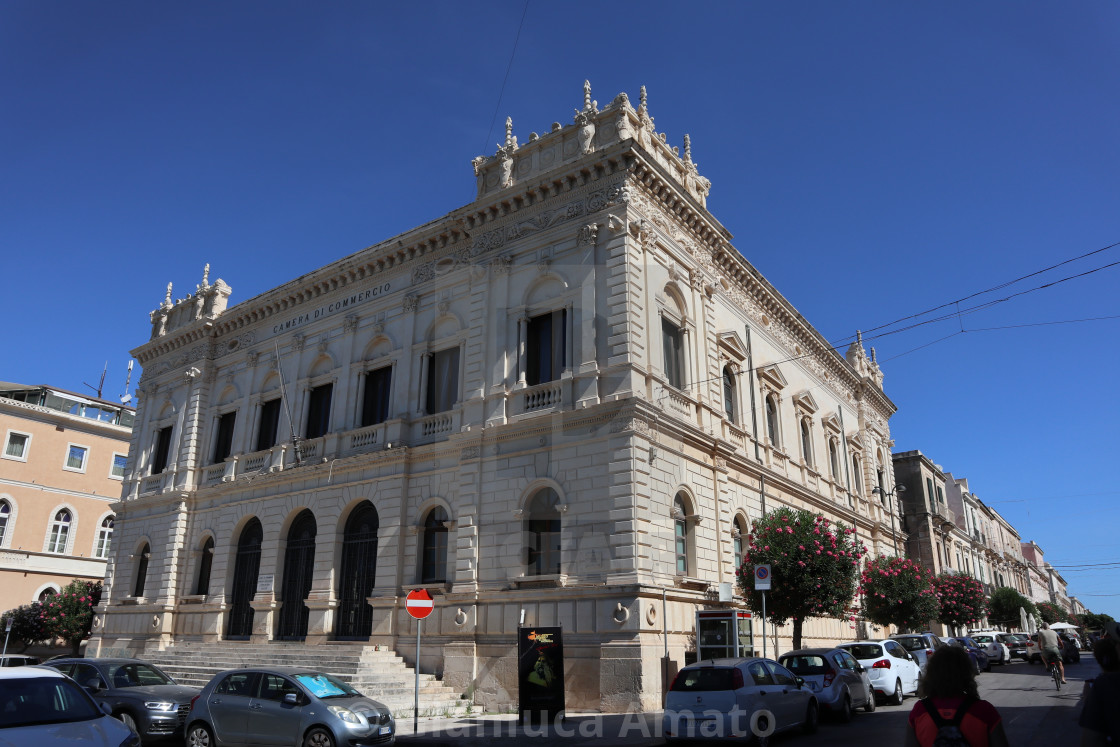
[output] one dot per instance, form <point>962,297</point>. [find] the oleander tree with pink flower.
<point>68,615</point>
<point>961,598</point>
<point>898,591</point>
<point>814,564</point>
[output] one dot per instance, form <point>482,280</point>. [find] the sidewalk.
<point>575,728</point>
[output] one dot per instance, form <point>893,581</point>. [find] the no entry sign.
<point>419,603</point>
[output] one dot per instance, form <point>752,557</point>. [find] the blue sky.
<point>872,159</point>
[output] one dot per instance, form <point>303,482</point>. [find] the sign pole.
<point>762,582</point>
<point>764,625</point>
<point>7,632</point>
<point>416,689</point>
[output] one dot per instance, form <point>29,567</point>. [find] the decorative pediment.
<point>805,401</point>
<point>831,422</point>
<point>773,375</point>
<point>732,344</point>
<point>855,442</point>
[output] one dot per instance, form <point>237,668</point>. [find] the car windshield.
<point>708,678</point>
<point>323,686</point>
<point>982,639</point>
<point>132,674</point>
<point>43,700</point>
<point>912,643</point>
<point>865,650</point>
<point>804,664</point>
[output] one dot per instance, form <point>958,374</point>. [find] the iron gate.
<point>245,569</point>
<point>299,567</point>
<point>355,582</point>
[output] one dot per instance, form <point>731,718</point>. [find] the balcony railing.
<point>542,396</point>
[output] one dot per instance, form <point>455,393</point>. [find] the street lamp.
<point>900,489</point>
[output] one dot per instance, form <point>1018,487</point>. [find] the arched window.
<point>672,344</point>
<point>46,594</point>
<point>205,563</point>
<point>833,459</point>
<point>738,540</point>
<point>60,531</point>
<point>729,393</point>
<point>141,570</point>
<point>5,514</point>
<point>542,534</point>
<point>772,419</point>
<point>680,534</point>
<point>806,442</point>
<point>104,537</point>
<point>433,567</point>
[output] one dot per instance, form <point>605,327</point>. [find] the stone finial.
<point>687,149</point>
<point>642,108</point>
<point>205,276</point>
<point>873,358</point>
<point>167,298</point>
<point>509,133</point>
<point>859,338</point>
<point>587,95</point>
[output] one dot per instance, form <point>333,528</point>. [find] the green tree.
<point>961,598</point>
<point>27,627</point>
<point>814,565</point>
<point>69,614</point>
<point>1004,607</point>
<point>1052,613</point>
<point>1094,620</point>
<point>898,591</point>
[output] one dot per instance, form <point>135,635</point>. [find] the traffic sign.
<point>419,603</point>
<point>762,577</point>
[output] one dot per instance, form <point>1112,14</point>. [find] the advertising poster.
<point>540,673</point>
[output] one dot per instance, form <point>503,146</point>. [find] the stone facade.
<point>62,462</point>
<point>558,405</point>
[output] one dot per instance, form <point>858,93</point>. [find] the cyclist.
<point>1051,647</point>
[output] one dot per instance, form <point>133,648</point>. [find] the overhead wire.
<point>512,54</point>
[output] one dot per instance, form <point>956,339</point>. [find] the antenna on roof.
<point>287,407</point>
<point>101,383</point>
<point>126,397</point>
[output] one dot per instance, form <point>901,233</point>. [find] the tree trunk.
<point>796,635</point>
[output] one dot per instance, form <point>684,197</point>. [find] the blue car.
<point>980,659</point>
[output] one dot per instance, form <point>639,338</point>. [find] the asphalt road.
<point>1033,712</point>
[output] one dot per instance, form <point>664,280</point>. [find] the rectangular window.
<point>163,449</point>
<point>443,381</point>
<point>546,347</point>
<point>929,492</point>
<point>319,411</point>
<point>375,398</point>
<point>76,458</point>
<point>940,495</point>
<point>223,442</point>
<point>120,463</point>
<point>16,447</point>
<point>671,337</point>
<point>270,423</point>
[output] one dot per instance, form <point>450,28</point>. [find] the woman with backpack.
<point>951,713</point>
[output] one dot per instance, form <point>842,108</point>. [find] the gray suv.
<point>920,645</point>
<point>144,698</point>
<point>286,706</point>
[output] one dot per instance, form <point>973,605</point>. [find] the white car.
<point>43,707</point>
<point>893,670</point>
<point>725,698</point>
<point>992,643</point>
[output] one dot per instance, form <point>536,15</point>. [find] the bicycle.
<point>1055,674</point>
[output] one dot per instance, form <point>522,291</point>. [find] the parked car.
<point>286,706</point>
<point>735,698</point>
<point>18,660</point>
<point>144,698</point>
<point>893,670</point>
<point>989,640</point>
<point>42,707</point>
<point>1017,644</point>
<point>981,662</point>
<point>920,646</point>
<point>839,682</point>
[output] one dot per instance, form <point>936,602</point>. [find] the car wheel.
<point>763,724</point>
<point>896,698</point>
<point>199,735</point>
<point>128,721</point>
<point>811,716</point>
<point>318,738</point>
<point>869,706</point>
<point>845,712</point>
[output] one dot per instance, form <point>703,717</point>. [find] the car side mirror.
<point>860,669</point>
<point>108,709</point>
<point>291,699</point>
<point>93,684</point>
<point>800,682</point>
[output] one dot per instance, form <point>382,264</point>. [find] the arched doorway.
<point>245,570</point>
<point>299,568</point>
<point>356,579</point>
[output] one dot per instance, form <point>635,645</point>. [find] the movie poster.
<point>540,673</point>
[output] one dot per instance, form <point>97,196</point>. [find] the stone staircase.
<point>378,673</point>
